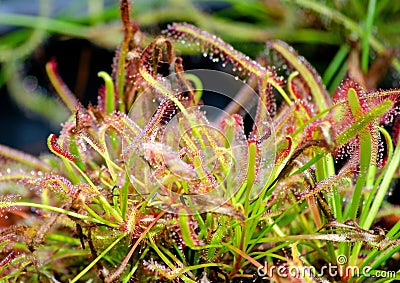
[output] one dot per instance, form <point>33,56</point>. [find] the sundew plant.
<point>153,185</point>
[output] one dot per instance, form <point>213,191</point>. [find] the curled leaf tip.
<point>58,150</point>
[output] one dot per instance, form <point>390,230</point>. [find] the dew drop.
<point>30,83</point>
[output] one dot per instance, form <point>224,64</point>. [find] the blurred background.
<point>360,38</point>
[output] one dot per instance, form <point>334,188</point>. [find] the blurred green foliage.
<point>369,29</point>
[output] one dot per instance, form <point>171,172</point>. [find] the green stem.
<point>87,268</point>
<point>66,212</point>
<point>106,205</point>
<point>384,187</point>
<point>167,261</point>
<point>365,159</point>
<point>124,197</point>
<point>117,273</point>
<point>335,64</point>
<point>367,35</point>
<point>110,95</point>
<point>251,172</point>
<point>61,88</point>
<point>250,182</point>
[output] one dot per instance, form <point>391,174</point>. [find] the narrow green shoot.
<point>90,266</point>
<point>367,34</point>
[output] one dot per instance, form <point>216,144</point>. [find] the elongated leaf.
<point>24,158</point>
<point>363,121</point>
<point>313,80</point>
